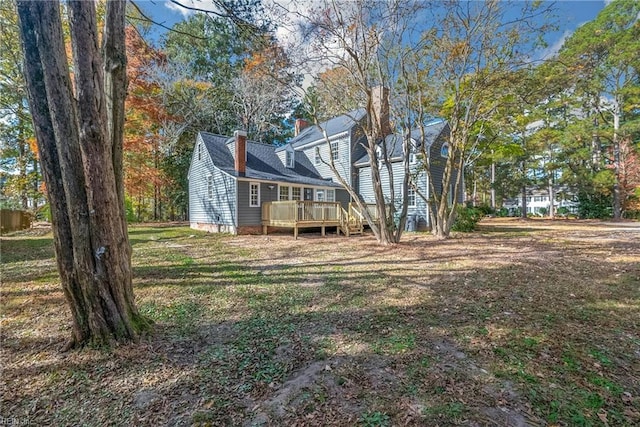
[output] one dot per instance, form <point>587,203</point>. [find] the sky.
<point>572,14</point>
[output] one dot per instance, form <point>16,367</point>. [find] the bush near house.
<point>466,219</point>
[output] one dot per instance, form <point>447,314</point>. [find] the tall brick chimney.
<point>300,125</point>
<point>380,103</point>
<point>240,152</point>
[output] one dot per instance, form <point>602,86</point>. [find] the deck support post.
<point>322,231</point>
<point>264,230</point>
<point>295,232</point>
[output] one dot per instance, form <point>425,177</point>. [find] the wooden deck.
<point>299,214</point>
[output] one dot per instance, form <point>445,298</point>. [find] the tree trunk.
<point>617,197</point>
<point>90,233</point>
<point>552,196</point>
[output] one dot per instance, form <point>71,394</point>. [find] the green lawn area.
<point>519,323</point>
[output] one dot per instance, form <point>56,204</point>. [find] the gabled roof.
<point>334,126</point>
<point>262,163</point>
<point>432,131</point>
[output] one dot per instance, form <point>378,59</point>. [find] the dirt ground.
<point>520,323</point>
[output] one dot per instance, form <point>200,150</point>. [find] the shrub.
<point>502,212</point>
<point>466,219</point>
<point>485,209</point>
<point>596,205</point>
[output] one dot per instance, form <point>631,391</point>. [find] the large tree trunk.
<point>75,137</point>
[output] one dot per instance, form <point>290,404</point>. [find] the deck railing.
<point>299,211</point>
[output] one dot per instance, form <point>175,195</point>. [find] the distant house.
<point>241,186</point>
<point>538,202</point>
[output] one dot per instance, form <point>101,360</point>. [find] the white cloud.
<point>551,50</point>
<point>205,5</point>
<point>175,8</point>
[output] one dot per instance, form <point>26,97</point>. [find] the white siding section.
<point>220,208</point>
<point>342,164</point>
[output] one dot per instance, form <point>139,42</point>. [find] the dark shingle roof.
<point>432,131</point>
<point>262,163</point>
<point>332,126</point>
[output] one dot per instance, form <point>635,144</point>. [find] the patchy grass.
<point>520,322</point>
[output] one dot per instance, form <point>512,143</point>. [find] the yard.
<point>520,323</point>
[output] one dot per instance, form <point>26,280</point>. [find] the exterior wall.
<point>343,197</point>
<point>366,190</point>
<point>438,164</point>
<point>342,164</point>
<point>249,215</point>
<point>218,210</point>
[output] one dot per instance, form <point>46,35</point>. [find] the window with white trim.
<point>411,197</point>
<point>200,151</point>
<point>335,150</point>
<point>444,151</point>
<point>254,194</point>
<point>331,195</point>
<point>290,159</point>
<point>283,192</point>
<point>413,148</point>
<point>210,187</point>
<point>296,193</point>
<point>318,159</point>
<point>319,195</point>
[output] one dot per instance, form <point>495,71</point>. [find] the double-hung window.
<point>283,193</point>
<point>331,195</point>
<point>254,194</point>
<point>411,197</point>
<point>290,159</point>
<point>210,187</point>
<point>335,150</point>
<point>296,193</point>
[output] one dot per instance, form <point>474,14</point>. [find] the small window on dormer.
<point>200,151</point>
<point>291,160</point>
<point>444,151</point>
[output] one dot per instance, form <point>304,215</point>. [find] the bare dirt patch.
<point>520,323</point>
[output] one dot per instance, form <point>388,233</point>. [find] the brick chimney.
<point>240,152</point>
<point>300,125</point>
<point>380,103</point>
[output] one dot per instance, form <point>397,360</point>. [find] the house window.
<point>283,193</point>
<point>411,197</point>
<point>318,159</point>
<point>290,159</point>
<point>331,195</point>
<point>210,187</point>
<point>296,193</point>
<point>444,151</point>
<point>335,153</point>
<point>379,152</point>
<point>319,195</point>
<point>199,151</point>
<point>254,194</point>
<point>412,151</point>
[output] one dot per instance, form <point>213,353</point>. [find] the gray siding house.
<point>231,178</point>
